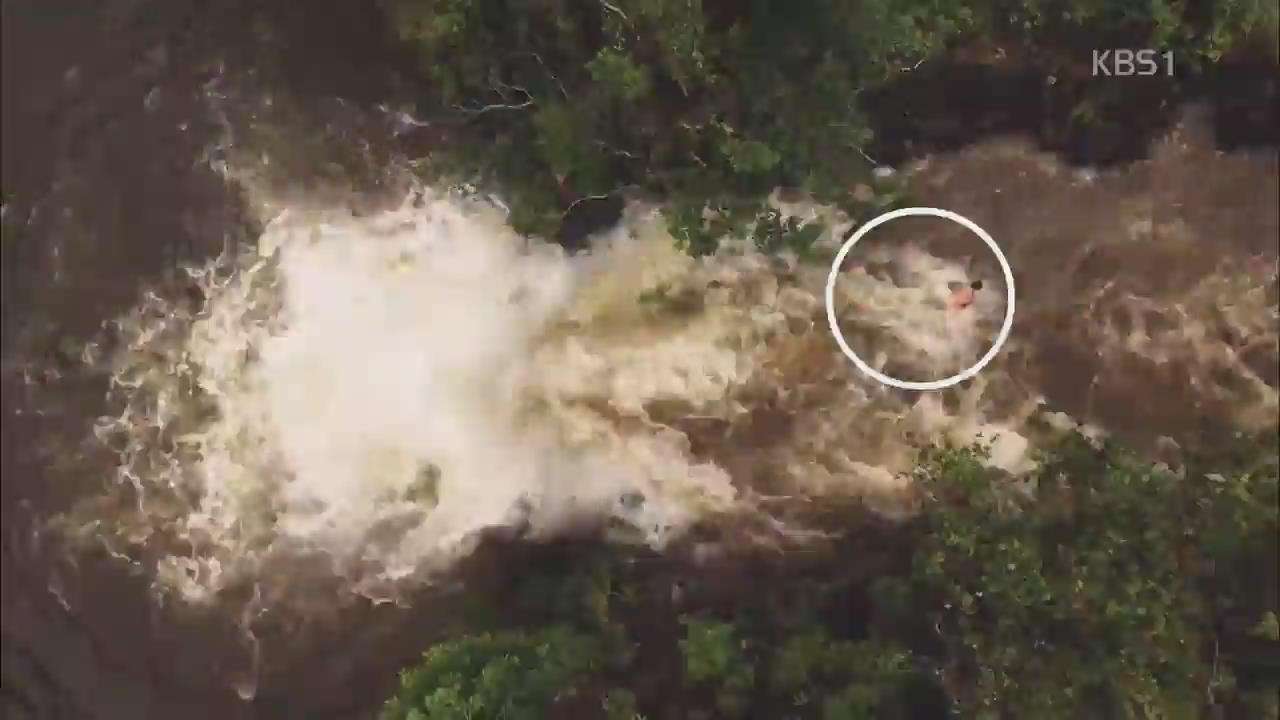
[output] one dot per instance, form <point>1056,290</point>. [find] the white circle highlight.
<point>927,384</point>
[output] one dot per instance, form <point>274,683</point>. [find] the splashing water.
<point>907,319</point>
<point>380,391</point>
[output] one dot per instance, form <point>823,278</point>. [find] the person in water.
<point>962,297</point>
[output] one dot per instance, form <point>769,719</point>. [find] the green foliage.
<point>698,104</point>
<point>587,597</point>
<point>850,679</point>
<point>620,704</point>
<point>1093,592</point>
<point>619,77</point>
<point>714,103</point>
<point>507,675</point>
<point>1103,586</point>
<point>715,654</point>
<point>1195,35</point>
<point>773,233</point>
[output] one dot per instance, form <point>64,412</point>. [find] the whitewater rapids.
<point>378,392</point>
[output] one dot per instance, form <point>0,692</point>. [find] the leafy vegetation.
<point>1095,592</point>
<point>846,679</point>
<point>1104,586</point>
<point>715,655</point>
<point>710,104</point>
<point>506,675</point>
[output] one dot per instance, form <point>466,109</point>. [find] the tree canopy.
<point>1104,586</point>
<point>713,103</point>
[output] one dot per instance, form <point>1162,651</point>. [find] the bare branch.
<point>487,108</point>
<point>615,9</point>
<point>500,86</point>
<point>603,196</point>
<point>559,84</point>
<point>582,199</point>
<point>500,106</point>
<point>621,153</point>
<point>1213,677</point>
<point>403,120</point>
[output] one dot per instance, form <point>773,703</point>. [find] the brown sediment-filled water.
<point>1146,306</point>
<point>1115,265</point>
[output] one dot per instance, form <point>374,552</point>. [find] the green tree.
<point>693,102</point>
<point>1102,586</point>
<point>713,103</point>
<point>511,675</point>
<point>715,654</point>
<point>1096,590</point>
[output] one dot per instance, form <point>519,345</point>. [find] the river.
<point>1144,289</point>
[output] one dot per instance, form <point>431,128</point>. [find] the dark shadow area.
<point>107,190</point>
<point>586,217</point>
<point>1098,121</point>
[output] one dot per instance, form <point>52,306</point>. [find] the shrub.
<point>1104,586</point>
<point>692,101</point>
<point>1098,591</point>
<point>846,679</point>
<point>512,675</point>
<point>715,654</point>
<point>713,103</point>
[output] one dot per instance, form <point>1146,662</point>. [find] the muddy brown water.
<point>1078,238</point>
<point>105,127</point>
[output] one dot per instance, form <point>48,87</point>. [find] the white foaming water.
<point>377,392</point>
<point>906,318</point>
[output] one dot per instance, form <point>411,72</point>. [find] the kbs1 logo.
<point>1123,62</point>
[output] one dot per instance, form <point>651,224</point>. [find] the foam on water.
<point>380,390</point>
<point>377,392</point>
